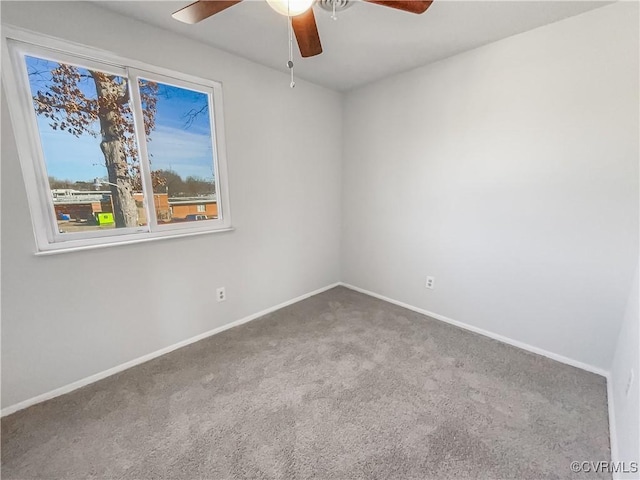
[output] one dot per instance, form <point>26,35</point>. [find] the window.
<point>114,151</point>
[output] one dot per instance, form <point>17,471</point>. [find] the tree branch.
<point>65,106</point>
<point>193,114</point>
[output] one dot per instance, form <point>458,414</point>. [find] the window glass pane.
<point>180,148</point>
<point>87,136</point>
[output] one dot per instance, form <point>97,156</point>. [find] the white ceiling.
<point>367,42</point>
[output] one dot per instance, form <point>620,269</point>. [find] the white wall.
<point>68,316</point>
<point>510,174</point>
<point>627,406</point>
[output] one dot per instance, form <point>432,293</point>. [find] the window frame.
<point>16,43</point>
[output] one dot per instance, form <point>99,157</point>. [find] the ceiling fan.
<point>300,11</point>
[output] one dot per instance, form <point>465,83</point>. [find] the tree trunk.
<point>111,95</point>
<point>125,211</point>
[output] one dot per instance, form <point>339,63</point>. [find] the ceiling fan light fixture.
<point>290,8</point>
<point>337,5</point>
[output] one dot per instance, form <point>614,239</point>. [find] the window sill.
<point>57,248</point>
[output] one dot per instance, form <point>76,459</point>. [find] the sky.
<point>173,144</point>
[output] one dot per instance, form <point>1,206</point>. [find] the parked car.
<point>195,216</point>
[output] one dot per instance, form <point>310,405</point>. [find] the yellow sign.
<point>105,218</point>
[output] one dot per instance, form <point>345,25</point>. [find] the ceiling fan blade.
<point>412,6</point>
<point>306,30</point>
<point>202,9</point>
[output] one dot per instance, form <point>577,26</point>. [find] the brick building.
<point>82,205</point>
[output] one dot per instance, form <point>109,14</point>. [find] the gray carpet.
<point>338,386</point>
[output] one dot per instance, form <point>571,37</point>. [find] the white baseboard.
<point>150,356</point>
<point>612,425</point>
<point>486,333</point>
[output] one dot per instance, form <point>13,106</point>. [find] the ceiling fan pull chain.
<point>290,62</point>
<point>333,15</point>
<point>290,65</point>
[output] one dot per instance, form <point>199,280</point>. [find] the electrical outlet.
<point>629,383</point>
<point>221,294</point>
<point>430,282</point>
